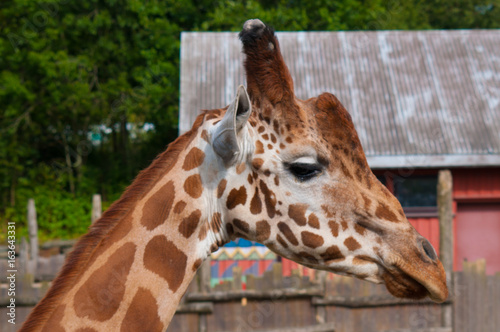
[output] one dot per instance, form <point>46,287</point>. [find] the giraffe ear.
<point>226,137</point>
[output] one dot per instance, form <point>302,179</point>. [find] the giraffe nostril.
<point>429,249</point>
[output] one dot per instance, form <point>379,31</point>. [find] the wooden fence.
<point>275,303</point>
<point>476,305</point>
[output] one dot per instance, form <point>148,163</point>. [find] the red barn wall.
<point>476,194</point>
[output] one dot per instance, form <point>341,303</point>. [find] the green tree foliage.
<point>89,89</point>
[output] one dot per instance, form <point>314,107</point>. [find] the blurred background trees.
<point>89,90</point>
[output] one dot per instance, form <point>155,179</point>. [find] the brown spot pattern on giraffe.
<point>359,229</point>
<point>383,212</point>
<point>162,257</point>
<point>269,199</point>
<point>211,116</point>
<point>236,197</point>
<point>344,225</point>
<point>86,329</point>
<point>158,206</point>
<point>333,253</point>
<point>287,232</point>
<point>142,314</point>
<point>256,203</point>
<point>203,232</point>
<point>257,163</point>
<point>328,211</point>
<point>259,147</point>
<point>313,221</point>
<point>193,186</point>
<point>334,227</point>
<point>240,168</point>
<point>351,243</point>
<point>311,240</point>
<point>298,213</point>
<point>179,207</point>
<point>100,296</point>
<point>367,202</point>
<point>263,231</point>
<point>221,188</point>
<point>193,159</point>
<point>242,225</point>
<point>188,225</point>
<point>204,135</point>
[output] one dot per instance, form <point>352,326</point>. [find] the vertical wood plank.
<point>481,295</point>
<point>205,275</point>
<point>33,235</point>
<point>96,207</point>
<point>250,281</point>
<point>237,276</point>
<point>277,279</point>
<point>445,212</point>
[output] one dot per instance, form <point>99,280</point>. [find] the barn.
<point>421,101</point>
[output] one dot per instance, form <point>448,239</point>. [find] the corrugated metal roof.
<point>417,98</point>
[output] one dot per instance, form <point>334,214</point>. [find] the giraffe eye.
<point>303,171</point>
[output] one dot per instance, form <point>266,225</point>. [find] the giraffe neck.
<point>136,273</point>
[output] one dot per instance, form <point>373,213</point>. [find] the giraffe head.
<point>295,178</point>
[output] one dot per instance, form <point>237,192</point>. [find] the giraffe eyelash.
<point>304,171</point>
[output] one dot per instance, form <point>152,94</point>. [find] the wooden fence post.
<point>321,314</point>
<point>96,207</point>
<point>445,212</point>
<point>33,236</point>
<point>205,275</point>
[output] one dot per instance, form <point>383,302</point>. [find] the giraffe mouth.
<point>401,286</point>
<point>406,281</point>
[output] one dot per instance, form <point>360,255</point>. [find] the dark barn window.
<point>416,191</point>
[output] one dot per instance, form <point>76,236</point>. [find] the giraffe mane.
<point>84,248</point>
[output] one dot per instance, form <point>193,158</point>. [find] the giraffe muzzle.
<point>417,275</point>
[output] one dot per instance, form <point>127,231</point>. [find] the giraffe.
<point>272,168</point>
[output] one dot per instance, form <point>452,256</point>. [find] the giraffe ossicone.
<point>272,168</point>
